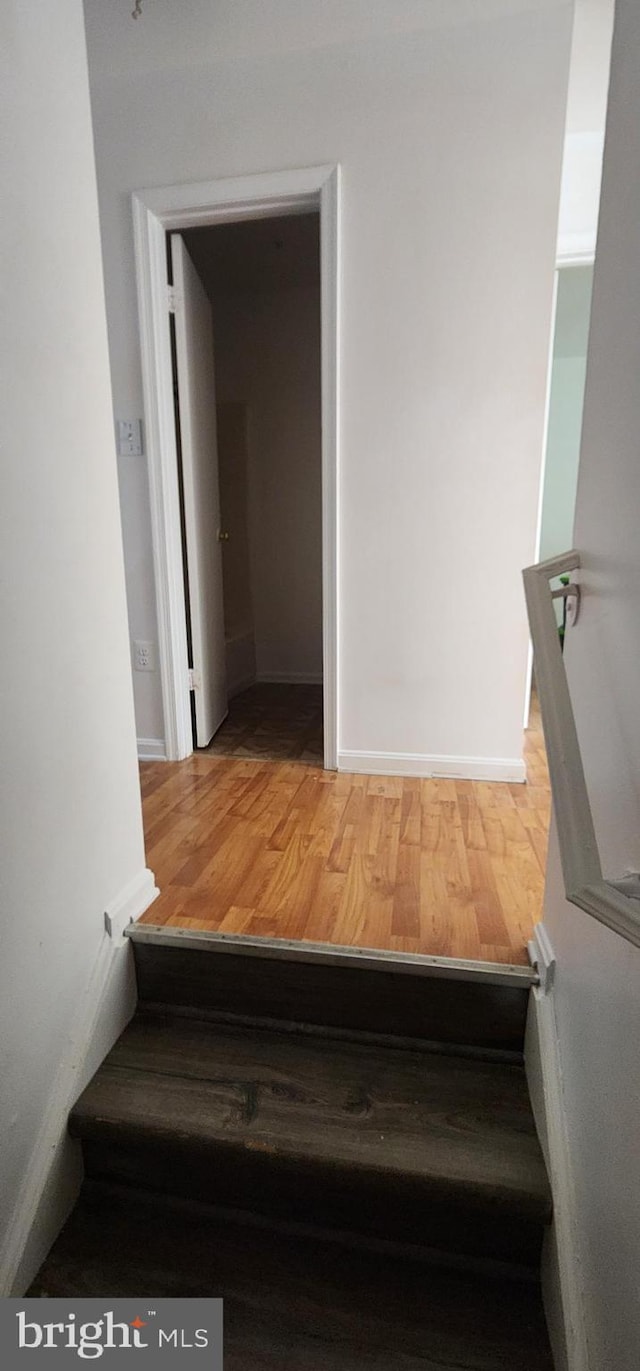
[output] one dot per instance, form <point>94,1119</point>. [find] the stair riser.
<point>288,1189</point>
<point>472,1014</point>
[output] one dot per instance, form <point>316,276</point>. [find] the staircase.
<point>347,1154</point>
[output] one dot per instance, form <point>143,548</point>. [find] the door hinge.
<point>542,958</point>
<point>194,679</point>
<point>171,299</point>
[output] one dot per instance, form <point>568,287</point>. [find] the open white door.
<point>197,408</point>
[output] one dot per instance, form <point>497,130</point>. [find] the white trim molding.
<point>584,883</point>
<point>162,464</point>
<point>152,750</point>
<point>156,212</point>
<point>576,250</point>
<point>130,903</point>
<point>438,768</point>
<point>562,1283</point>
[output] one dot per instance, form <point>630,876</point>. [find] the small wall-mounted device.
<point>129,436</point>
<point>144,656</point>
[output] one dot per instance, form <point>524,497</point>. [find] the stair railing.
<point>613,903</point>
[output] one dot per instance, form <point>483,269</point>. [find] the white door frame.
<point>156,212</point>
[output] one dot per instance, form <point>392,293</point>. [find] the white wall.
<point>447,117</point>
<point>268,357</point>
<point>71,823</point>
<point>597,995</point>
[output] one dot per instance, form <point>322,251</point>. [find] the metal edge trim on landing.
<point>373,959</point>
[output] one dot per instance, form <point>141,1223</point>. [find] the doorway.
<point>566,377</point>
<point>244,849</point>
<point>574,286</point>
<point>246,339</point>
<point>177,210</point>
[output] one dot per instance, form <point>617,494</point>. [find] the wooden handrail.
<point>584,883</point>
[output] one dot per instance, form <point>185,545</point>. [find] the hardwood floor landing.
<point>284,850</point>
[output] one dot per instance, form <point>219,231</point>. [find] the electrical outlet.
<point>144,656</point>
<point>129,433</point>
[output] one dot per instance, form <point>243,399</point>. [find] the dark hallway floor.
<point>281,723</point>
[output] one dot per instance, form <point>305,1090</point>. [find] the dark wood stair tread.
<point>439,1121</point>
<point>297,1303</point>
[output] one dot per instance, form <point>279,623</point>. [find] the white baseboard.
<point>417,764</point>
<point>290,677</point>
<point>152,750</point>
<point>130,903</point>
<point>561,1265</point>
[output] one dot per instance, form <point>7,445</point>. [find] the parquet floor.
<point>274,722</point>
<point>279,849</point>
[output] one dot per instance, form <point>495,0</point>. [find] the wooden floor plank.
<point>445,867</point>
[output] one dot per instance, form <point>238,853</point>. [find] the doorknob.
<point>222,537</point>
